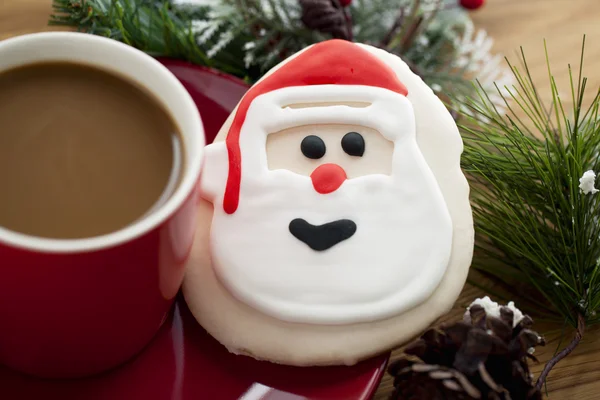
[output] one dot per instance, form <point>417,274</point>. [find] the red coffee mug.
<point>77,307</point>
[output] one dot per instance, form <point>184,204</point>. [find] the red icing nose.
<point>328,178</point>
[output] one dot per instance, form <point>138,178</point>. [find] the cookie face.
<point>358,149</point>
<point>330,212</point>
<point>325,231</point>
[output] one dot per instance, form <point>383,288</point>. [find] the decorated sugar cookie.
<point>340,223</point>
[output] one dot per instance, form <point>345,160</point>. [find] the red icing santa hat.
<point>333,62</point>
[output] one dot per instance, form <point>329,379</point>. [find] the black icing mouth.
<point>322,237</point>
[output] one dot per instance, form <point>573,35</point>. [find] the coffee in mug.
<point>83,152</point>
<point>101,149</point>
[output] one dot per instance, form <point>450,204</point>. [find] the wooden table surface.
<point>512,23</point>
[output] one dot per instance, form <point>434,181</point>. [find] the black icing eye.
<point>313,147</point>
<point>353,144</point>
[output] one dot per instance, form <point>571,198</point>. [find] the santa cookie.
<point>335,220</point>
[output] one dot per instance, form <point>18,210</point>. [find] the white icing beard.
<point>393,262</point>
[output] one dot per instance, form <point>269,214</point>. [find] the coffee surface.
<point>83,152</point>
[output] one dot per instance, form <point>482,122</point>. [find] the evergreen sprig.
<point>153,26</point>
<point>248,37</point>
<point>538,233</point>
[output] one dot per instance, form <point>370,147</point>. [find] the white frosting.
<point>394,261</point>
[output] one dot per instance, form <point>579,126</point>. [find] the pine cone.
<point>484,358</point>
<point>325,16</point>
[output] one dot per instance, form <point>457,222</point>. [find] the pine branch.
<point>248,37</point>
<point>531,218</point>
<point>198,34</point>
<point>153,26</point>
<point>561,355</point>
<point>537,232</point>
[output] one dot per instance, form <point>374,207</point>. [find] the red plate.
<point>183,362</point>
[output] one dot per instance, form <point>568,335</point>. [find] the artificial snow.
<point>586,182</point>
<point>493,309</point>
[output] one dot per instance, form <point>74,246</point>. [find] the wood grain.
<point>18,17</point>
<point>512,23</point>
